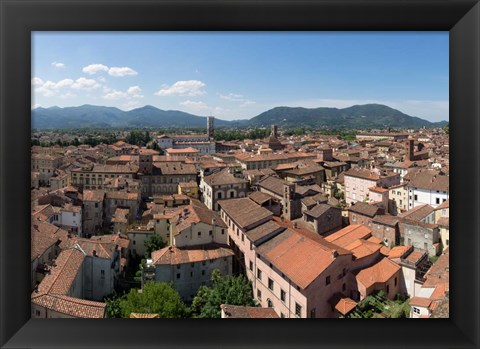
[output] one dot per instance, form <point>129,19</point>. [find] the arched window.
<point>269,303</point>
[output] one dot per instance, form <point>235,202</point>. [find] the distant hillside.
<point>104,117</point>
<point>358,117</point>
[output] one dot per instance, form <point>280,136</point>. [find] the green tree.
<point>154,243</point>
<point>113,309</point>
<point>233,290</point>
<point>155,298</point>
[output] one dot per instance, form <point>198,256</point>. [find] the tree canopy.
<point>233,290</point>
<point>153,243</point>
<point>155,298</point>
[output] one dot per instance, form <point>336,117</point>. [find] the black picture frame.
<point>18,18</point>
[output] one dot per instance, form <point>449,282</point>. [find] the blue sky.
<point>237,75</point>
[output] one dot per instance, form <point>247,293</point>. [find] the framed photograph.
<point>132,207</point>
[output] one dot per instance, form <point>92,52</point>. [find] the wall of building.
<point>188,277</point>
<point>422,238</point>
<point>424,196</point>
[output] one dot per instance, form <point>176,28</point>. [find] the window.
<point>178,275</point>
<point>437,200</point>
<point>344,286</point>
<point>203,272</point>
<point>134,242</point>
<point>396,281</point>
<point>282,295</point>
<point>269,303</point>
<point>37,312</point>
<point>354,218</point>
<point>178,266</point>
<point>102,274</point>
<point>388,289</point>
<point>203,262</point>
<point>298,309</point>
<point>251,265</point>
<point>192,264</point>
<point>243,237</point>
<point>416,197</point>
<point>416,310</point>
<point>199,234</point>
<point>259,295</point>
<point>446,242</point>
<point>327,280</point>
<point>223,231</point>
<point>210,233</point>
<point>282,315</point>
<point>270,284</point>
<point>259,274</point>
<point>191,274</point>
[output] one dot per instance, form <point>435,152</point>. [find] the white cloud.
<point>114,95</point>
<point>94,68</point>
<point>45,92</point>
<point>183,88</point>
<point>135,91</point>
<point>58,65</point>
<point>234,97</point>
<point>63,83</point>
<point>131,104</point>
<point>193,105</point>
<point>85,84</point>
<point>121,71</point>
<point>67,95</point>
<point>37,81</point>
<point>101,79</point>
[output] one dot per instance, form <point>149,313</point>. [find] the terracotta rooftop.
<point>223,178</point>
<point>439,273</point>
<point>71,306</point>
<point>263,230</point>
<point>43,236</point>
<point>173,255</point>
<point>430,180</point>
<point>300,258</point>
<point>144,316</point>
<point>244,211</point>
<point>380,272</point>
<point>363,248</point>
<point>320,209</point>
<point>364,209</point>
<point>236,312</point>
<point>93,195</point>
<point>259,197</point>
<point>349,234</point>
<point>197,212</point>
<point>417,213</point>
<point>62,276</point>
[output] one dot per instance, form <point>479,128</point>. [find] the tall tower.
<point>288,201</point>
<point>210,129</point>
<point>274,131</point>
<point>409,150</point>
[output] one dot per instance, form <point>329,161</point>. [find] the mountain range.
<point>355,117</point>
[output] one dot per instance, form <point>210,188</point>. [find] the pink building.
<point>293,271</point>
<point>358,182</point>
